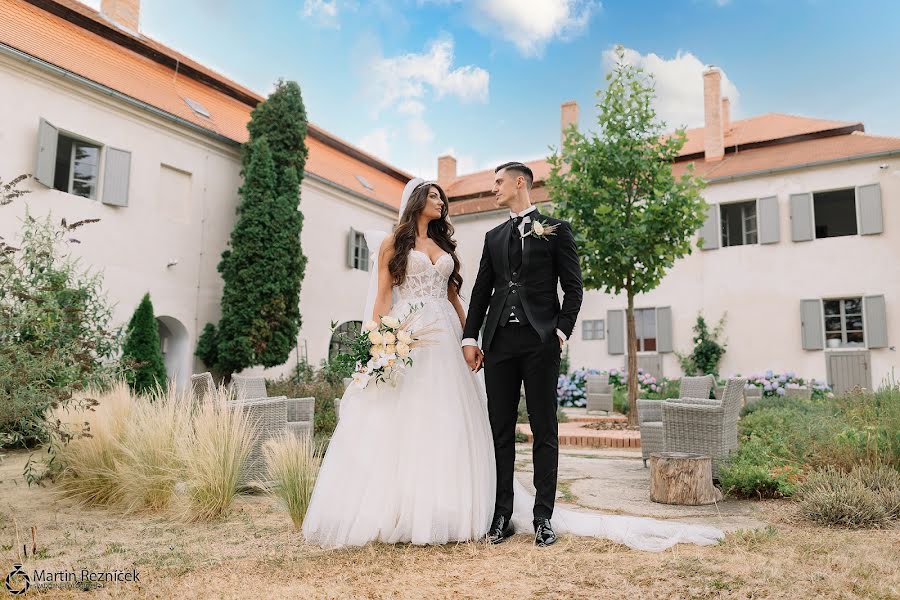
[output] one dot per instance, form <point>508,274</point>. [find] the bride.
<point>415,463</point>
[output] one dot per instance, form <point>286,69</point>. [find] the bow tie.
<point>517,221</point>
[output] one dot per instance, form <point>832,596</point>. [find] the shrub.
<point>148,371</point>
<point>293,463</point>
<point>55,334</point>
<point>707,353</point>
<point>834,498</point>
<point>214,457</point>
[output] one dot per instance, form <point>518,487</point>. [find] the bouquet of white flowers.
<point>381,351</point>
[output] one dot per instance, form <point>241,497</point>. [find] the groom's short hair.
<point>519,169</point>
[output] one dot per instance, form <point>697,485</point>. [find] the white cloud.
<point>405,83</point>
<point>419,132</point>
<point>323,13</point>
<point>530,28</point>
<point>400,79</point>
<point>377,142</point>
<point>679,85</point>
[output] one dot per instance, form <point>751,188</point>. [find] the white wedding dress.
<point>415,463</point>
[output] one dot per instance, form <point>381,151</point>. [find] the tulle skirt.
<point>415,463</point>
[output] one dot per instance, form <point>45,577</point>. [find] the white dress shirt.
<point>527,219</point>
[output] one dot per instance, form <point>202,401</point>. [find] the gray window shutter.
<point>710,230</point>
<point>45,169</point>
<point>351,243</point>
<point>615,340</point>
<point>876,322</point>
<point>871,220</point>
<point>801,218</point>
<point>664,329</point>
<point>767,218</point>
<point>116,176</point>
<point>811,324</point>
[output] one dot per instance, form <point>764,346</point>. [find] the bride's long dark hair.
<point>440,230</point>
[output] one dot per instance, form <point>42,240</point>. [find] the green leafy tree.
<point>631,216</point>
<point>263,268</point>
<point>141,351</point>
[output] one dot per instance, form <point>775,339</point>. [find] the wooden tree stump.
<point>682,478</point>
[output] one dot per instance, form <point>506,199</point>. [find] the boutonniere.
<point>541,230</point>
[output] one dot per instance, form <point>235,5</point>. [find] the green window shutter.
<point>351,243</point>
<point>768,220</point>
<point>615,322</point>
<point>801,218</point>
<point>45,169</point>
<point>811,323</point>
<point>710,230</point>
<point>664,329</point>
<point>871,218</point>
<point>116,177</point>
<point>876,322</point>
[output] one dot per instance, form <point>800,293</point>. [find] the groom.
<point>522,260</point>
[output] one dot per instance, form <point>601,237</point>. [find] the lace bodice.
<point>424,279</point>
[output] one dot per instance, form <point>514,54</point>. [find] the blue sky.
<point>483,79</point>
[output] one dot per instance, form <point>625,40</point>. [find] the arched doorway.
<point>173,342</point>
<point>348,328</point>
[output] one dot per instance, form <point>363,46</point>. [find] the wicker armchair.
<point>650,413</point>
<point>203,387</point>
<point>268,417</point>
<point>752,394</point>
<point>704,426</point>
<point>599,393</point>
<point>300,411</point>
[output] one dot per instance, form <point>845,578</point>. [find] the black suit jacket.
<point>544,263</point>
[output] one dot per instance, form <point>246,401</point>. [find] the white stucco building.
<point>801,238</point>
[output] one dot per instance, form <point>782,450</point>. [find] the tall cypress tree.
<point>142,350</point>
<point>264,267</point>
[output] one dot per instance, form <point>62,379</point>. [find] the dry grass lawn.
<point>255,552</point>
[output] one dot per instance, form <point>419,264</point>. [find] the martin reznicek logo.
<point>20,581</point>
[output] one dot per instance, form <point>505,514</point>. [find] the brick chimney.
<point>726,114</point>
<point>446,170</point>
<point>713,138</point>
<point>124,13</point>
<point>568,115</point>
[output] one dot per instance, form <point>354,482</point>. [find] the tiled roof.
<point>79,40</point>
<point>765,128</point>
<point>801,142</point>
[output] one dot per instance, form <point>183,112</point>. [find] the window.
<point>835,213</point>
<point>360,251</point>
<point>645,329</point>
<point>77,167</point>
<point>364,182</point>
<point>71,164</point>
<point>350,329</point>
<point>844,323</point>
<point>593,330</point>
<point>739,223</point>
<point>197,107</point>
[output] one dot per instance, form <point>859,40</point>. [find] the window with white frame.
<point>835,213</point>
<point>844,322</point>
<point>593,329</point>
<point>360,251</point>
<point>645,329</point>
<point>739,224</point>
<point>72,164</point>
<point>77,167</point>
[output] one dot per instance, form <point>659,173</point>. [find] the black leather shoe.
<point>500,530</point>
<point>543,533</point>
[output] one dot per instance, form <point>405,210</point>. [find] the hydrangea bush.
<point>774,383</point>
<point>570,389</point>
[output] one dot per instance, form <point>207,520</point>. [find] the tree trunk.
<point>631,337</point>
<point>682,478</point>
